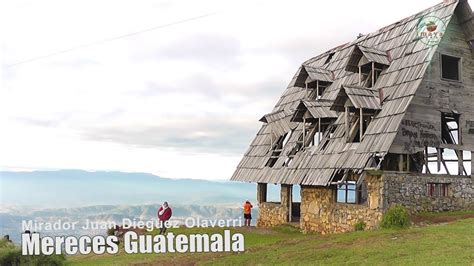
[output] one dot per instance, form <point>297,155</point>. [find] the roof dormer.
<point>359,105</point>
<point>369,63</point>
<point>314,79</point>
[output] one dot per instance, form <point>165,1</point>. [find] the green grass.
<point>440,244</point>
<point>254,238</point>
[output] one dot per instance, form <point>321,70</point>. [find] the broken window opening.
<point>450,128</point>
<point>329,133</point>
<point>369,74</point>
<point>349,191</point>
<point>450,67</point>
<point>437,189</point>
<point>315,89</point>
<point>317,137</point>
<point>273,193</point>
<point>329,58</point>
<point>268,193</point>
<point>447,161</point>
<point>312,134</point>
<point>356,124</point>
<point>277,148</point>
<point>403,162</point>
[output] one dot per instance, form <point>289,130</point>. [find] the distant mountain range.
<point>77,188</point>
<point>11,221</point>
<point>76,195</point>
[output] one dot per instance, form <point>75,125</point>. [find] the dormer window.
<point>317,81</point>
<point>369,74</point>
<point>314,80</point>
<point>369,63</point>
<point>280,132</point>
<point>359,105</point>
<point>315,89</point>
<point>316,118</point>
<point>277,148</point>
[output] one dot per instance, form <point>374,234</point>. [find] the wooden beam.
<point>439,158</point>
<point>353,129</point>
<point>290,203</point>
<point>408,162</point>
<point>319,130</point>
<point>306,90</point>
<point>361,125</point>
<point>400,163</point>
<point>271,136</point>
<point>317,89</point>
<point>445,166</point>
<point>304,130</point>
<point>373,74</point>
<point>451,160</point>
<point>460,162</point>
<point>426,161</point>
<point>360,76</point>
<point>347,123</point>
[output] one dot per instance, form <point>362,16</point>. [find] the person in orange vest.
<point>247,212</point>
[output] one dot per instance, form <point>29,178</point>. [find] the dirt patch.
<point>438,218</point>
<point>255,230</point>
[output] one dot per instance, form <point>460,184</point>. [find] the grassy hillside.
<point>447,242</point>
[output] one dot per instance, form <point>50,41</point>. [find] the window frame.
<point>460,71</point>
<point>346,192</point>
<point>437,190</point>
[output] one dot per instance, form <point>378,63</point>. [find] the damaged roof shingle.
<point>407,59</point>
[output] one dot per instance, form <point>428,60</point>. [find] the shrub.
<point>359,226</point>
<point>11,255</point>
<point>111,231</point>
<point>395,217</point>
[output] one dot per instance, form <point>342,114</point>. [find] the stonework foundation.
<point>321,213</point>
<point>275,213</point>
<point>271,214</point>
<point>411,191</point>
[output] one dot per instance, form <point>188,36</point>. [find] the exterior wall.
<point>271,214</point>
<point>275,213</point>
<point>410,191</point>
<point>421,125</point>
<point>321,213</point>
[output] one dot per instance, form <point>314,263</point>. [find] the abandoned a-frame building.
<point>386,119</point>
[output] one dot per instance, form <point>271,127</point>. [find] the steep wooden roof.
<point>375,55</point>
<point>407,58</point>
<point>360,97</point>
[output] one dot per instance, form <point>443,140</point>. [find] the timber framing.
<point>376,103</point>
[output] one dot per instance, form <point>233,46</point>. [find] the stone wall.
<point>274,213</point>
<point>410,191</point>
<point>271,214</point>
<point>321,213</point>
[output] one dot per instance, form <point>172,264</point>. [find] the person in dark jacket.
<point>164,214</point>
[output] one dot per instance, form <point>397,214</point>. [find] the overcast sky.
<point>179,101</point>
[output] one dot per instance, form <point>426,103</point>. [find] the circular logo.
<point>430,30</point>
